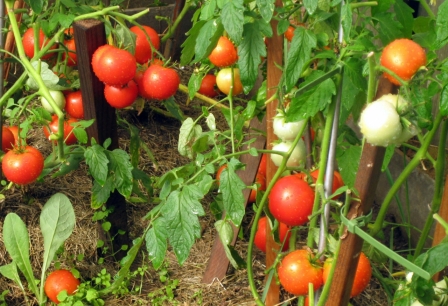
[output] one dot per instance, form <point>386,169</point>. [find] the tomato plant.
<point>53,128</point>
<point>60,280</point>
<point>224,81</point>
<point>160,82</point>
<point>73,104</point>
<point>291,200</point>
<point>70,55</point>
<point>58,98</point>
<point>143,49</point>
<point>260,237</point>
<point>114,66</point>
<point>224,54</point>
<point>121,96</point>
<point>337,180</point>
<point>28,41</point>
<point>260,180</point>
<point>403,57</point>
<point>298,269</point>
<point>8,139</point>
<point>22,165</point>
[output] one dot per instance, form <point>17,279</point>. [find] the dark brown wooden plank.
<point>219,263</point>
<point>274,73</point>
<point>366,183</point>
<point>89,35</point>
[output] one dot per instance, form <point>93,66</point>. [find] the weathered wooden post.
<point>89,35</point>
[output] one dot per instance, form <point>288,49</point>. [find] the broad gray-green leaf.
<point>232,16</point>
<point>299,54</point>
<point>231,187</point>
<point>57,221</point>
<point>207,38</point>
<point>249,52</point>
<point>98,162</point>
<point>189,132</point>
<point>17,243</point>
<point>266,8</point>
<point>10,271</point>
<point>181,212</point>
<point>156,243</point>
<point>49,78</point>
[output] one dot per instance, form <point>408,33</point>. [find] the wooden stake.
<point>366,183</point>
<point>439,232</point>
<point>274,73</point>
<point>89,35</point>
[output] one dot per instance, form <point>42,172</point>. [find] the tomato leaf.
<point>346,20</point>
<point>189,132</point>
<point>231,187</point>
<point>403,296</point>
<point>120,168</point>
<point>174,109</point>
<point>207,38</point>
<point>389,29</point>
<point>382,6</point>
<point>98,162</point>
<point>100,193</point>
<point>208,10</point>
<point>299,55</point>
<point>48,76</point>
<point>36,5</point>
<point>156,242</point>
<point>57,221</point>
<point>181,212</point>
<point>353,83</point>
<point>266,8</point>
<point>194,83</point>
<point>404,16</point>
<point>348,161</point>
<point>312,101</point>
<point>444,101</point>
<point>250,50</point>
<point>310,6</point>
<point>74,158</point>
<point>442,24</point>
<point>125,38</point>
<point>233,19</point>
<point>17,243</point>
<point>189,45</point>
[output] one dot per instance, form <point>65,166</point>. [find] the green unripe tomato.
<point>58,97</point>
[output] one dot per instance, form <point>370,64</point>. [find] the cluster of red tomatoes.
<point>124,80</point>
<point>222,56</point>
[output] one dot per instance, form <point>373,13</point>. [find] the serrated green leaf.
<point>156,242</point>
<point>442,24</point>
<point>181,212</point>
<point>36,5</point>
<point>388,28</point>
<point>231,187</point>
<point>299,54</point>
<point>17,242</point>
<point>189,132</point>
<point>125,38</point>
<point>346,19</point>
<point>194,83</point>
<point>174,109</point>
<point>98,162</point>
<point>207,38</point>
<point>225,231</point>
<point>135,144</point>
<point>189,45</point>
<point>310,6</point>
<point>312,101</point>
<point>390,150</point>
<point>57,221</point>
<point>64,20</point>
<point>101,193</point>
<point>232,15</point>
<point>266,8</point>
<point>353,83</point>
<point>348,161</point>
<point>403,296</point>
<point>249,52</point>
<point>405,17</point>
<point>71,164</point>
<point>208,10</point>
<point>121,170</point>
<point>382,6</point>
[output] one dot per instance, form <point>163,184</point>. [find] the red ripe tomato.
<point>22,165</point>
<point>224,54</point>
<point>138,78</point>
<point>362,278</point>
<point>297,270</point>
<point>15,132</point>
<point>73,104</point>
<point>291,200</point>
<point>208,86</point>
<point>72,59</point>
<point>160,82</point>
<point>143,50</point>
<point>69,136</point>
<point>263,165</point>
<point>121,96</point>
<point>58,281</point>
<point>289,34</point>
<point>260,235</point>
<point>403,57</point>
<point>260,180</point>
<point>114,66</point>
<point>8,139</point>
<point>337,180</point>
<point>224,81</point>
<point>28,43</point>
<point>218,173</point>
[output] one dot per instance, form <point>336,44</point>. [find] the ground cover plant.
<point>335,54</point>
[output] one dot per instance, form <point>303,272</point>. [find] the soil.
<point>160,134</point>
